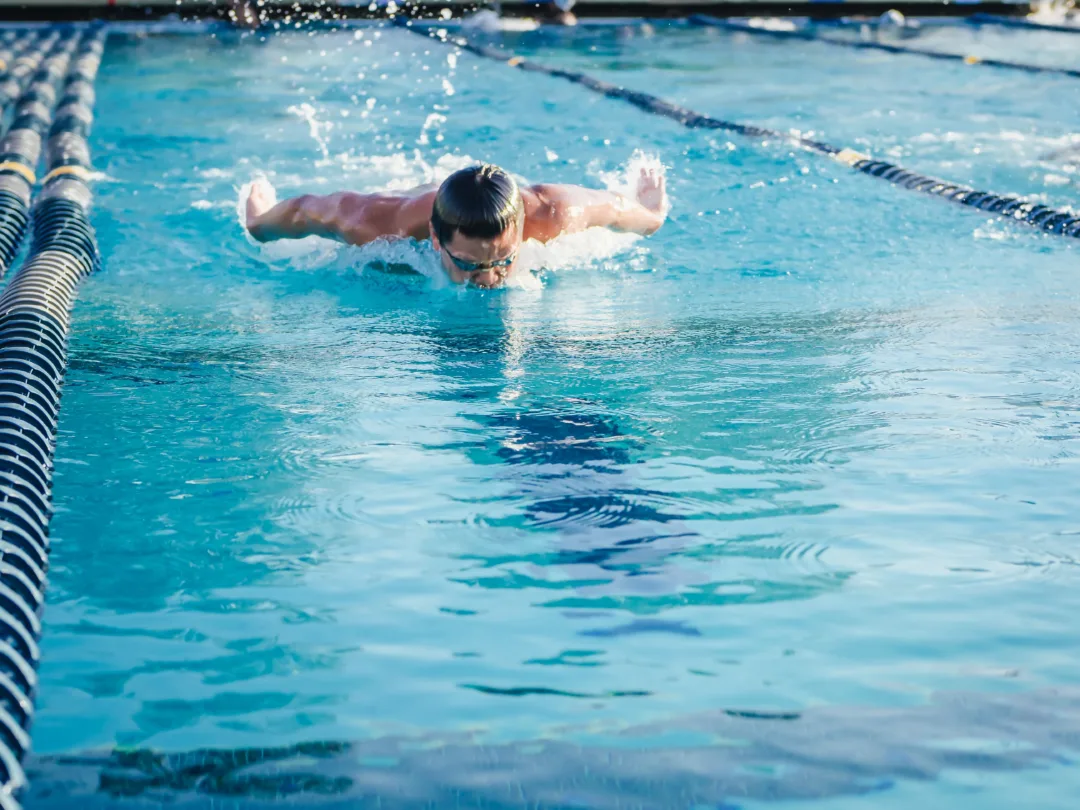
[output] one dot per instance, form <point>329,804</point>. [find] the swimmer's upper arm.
<point>333,216</point>
<point>568,208</point>
<point>346,216</point>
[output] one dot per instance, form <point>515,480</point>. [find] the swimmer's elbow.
<point>292,219</point>
<point>258,231</point>
<point>645,223</point>
<point>652,227</point>
<point>634,218</point>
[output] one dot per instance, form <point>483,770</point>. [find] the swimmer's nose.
<point>488,279</point>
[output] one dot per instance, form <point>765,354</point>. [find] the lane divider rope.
<point>18,168</point>
<point>1042,217</point>
<point>705,20</point>
<point>11,48</point>
<point>31,49</point>
<point>982,18</point>
<point>35,310</point>
<point>20,148</point>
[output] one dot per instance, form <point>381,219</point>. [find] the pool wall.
<point>139,9</point>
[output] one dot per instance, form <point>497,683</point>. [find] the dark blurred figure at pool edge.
<point>476,220</point>
<point>559,12</point>
<point>244,14</point>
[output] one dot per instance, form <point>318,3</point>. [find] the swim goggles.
<point>476,267</point>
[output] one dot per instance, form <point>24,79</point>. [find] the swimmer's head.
<point>476,225</point>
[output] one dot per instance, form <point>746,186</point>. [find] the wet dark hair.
<point>481,202</point>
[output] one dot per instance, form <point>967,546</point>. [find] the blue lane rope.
<point>1062,223</point>
<point>728,25</point>
<point>35,312</point>
<point>982,18</point>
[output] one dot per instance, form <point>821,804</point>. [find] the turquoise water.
<point>778,504</point>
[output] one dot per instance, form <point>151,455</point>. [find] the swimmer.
<point>557,11</point>
<point>243,14</point>
<point>476,220</point>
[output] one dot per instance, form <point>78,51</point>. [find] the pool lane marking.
<point>705,20</point>
<point>20,169</point>
<point>76,171</point>
<point>1059,222</point>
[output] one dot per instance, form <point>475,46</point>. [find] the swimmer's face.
<point>494,258</point>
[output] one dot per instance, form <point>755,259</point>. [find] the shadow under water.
<point>713,758</point>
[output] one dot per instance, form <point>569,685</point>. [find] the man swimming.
<point>476,220</point>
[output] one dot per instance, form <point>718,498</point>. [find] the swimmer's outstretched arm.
<point>573,208</point>
<point>355,219</point>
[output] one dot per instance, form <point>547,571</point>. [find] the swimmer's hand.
<point>568,209</point>
<point>652,190</point>
<point>261,199</point>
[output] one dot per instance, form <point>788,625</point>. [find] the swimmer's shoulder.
<point>404,214</point>
<point>546,211</point>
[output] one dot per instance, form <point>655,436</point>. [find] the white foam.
<point>572,250</point>
<point>489,22</point>
<point>207,205</point>
<point>772,23</point>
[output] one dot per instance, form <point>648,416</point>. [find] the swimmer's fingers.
<point>261,196</point>
<point>651,190</point>
<point>650,180</point>
<point>651,176</point>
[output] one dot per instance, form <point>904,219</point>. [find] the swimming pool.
<point>774,505</point>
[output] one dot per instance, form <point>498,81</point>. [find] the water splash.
<point>625,179</point>
<point>433,123</point>
<point>401,171</point>
<point>591,247</point>
<point>319,129</point>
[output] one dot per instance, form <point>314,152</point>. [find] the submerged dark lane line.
<point>681,761</point>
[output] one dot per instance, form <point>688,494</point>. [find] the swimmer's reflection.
<point>581,463</point>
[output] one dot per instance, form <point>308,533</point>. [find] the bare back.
<point>368,216</point>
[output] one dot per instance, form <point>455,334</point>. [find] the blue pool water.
<point>778,504</point>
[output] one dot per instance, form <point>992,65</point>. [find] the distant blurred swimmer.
<point>893,24</point>
<point>244,14</point>
<point>1053,11</point>
<point>1069,154</point>
<point>476,220</point>
<point>558,11</point>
